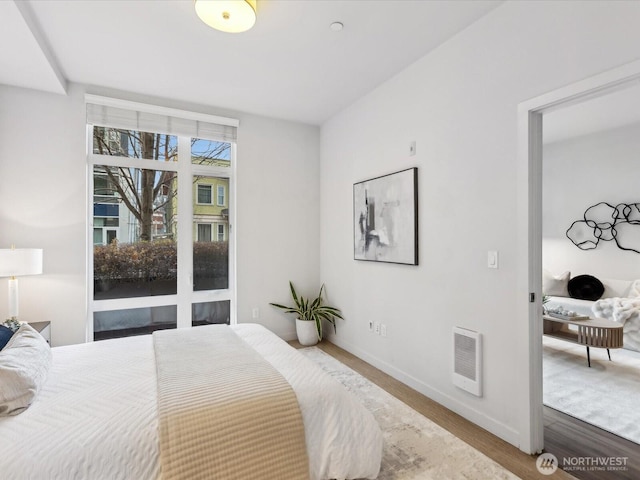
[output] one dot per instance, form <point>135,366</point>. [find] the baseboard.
<point>490,424</point>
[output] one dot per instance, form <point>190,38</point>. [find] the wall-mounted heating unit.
<point>467,355</point>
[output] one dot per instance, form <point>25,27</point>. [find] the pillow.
<point>5,335</point>
<point>24,366</point>
<point>585,287</point>
<point>616,288</point>
<point>555,286</point>
<point>634,291</point>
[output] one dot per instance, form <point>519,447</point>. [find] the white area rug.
<point>605,395</point>
<point>415,447</point>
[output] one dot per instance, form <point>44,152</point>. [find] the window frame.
<point>224,195</point>
<point>186,171</point>
<point>210,225</point>
<point>198,202</point>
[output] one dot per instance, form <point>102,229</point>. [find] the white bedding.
<point>625,311</point>
<point>95,418</point>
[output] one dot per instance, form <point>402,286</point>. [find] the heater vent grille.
<point>465,361</point>
<point>467,349</point>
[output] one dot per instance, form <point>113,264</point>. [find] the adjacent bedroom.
<point>591,266</point>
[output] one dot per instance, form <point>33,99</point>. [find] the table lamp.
<point>15,262</point>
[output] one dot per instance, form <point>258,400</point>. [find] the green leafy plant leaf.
<point>311,310</point>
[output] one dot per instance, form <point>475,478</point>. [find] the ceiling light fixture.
<point>232,16</point>
<point>336,26</point>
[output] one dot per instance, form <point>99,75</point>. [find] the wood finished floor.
<point>564,436</point>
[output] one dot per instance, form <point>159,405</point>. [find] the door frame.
<point>529,201</point>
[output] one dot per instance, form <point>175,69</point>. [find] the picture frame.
<point>385,218</point>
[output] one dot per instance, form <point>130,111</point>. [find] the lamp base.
<point>13,298</point>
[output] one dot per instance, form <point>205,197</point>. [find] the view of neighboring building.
<point>210,209</point>
<point>114,220</point>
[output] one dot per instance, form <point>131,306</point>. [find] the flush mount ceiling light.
<point>232,16</point>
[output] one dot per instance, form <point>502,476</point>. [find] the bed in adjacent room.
<point>107,410</point>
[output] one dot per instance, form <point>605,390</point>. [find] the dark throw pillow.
<point>585,287</point>
<point>5,335</point>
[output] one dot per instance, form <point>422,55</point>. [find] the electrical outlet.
<point>376,328</point>
<point>383,330</point>
<point>255,313</point>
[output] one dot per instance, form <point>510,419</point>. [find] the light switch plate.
<point>492,259</point>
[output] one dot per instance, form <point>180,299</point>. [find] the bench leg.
<point>588,357</point>
<point>609,353</point>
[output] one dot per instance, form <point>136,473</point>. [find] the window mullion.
<point>124,162</point>
<point>185,232</point>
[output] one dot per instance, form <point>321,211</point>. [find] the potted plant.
<point>309,316</point>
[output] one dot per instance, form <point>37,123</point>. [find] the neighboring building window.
<point>205,195</point>
<point>221,195</point>
<point>204,232</point>
<point>220,232</point>
<point>111,236</point>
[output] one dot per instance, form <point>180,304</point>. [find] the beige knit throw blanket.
<point>224,412</point>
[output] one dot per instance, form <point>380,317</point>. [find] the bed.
<point>97,414</point>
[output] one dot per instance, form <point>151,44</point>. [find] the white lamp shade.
<point>20,261</point>
<point>232,16</point>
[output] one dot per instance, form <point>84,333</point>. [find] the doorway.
<point>530,128</point>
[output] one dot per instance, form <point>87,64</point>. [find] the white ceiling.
<point>291,65</point>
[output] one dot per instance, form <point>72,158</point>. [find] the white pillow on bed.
<point>24,366</point>
<point>634,291</point>
<point>555,286</point>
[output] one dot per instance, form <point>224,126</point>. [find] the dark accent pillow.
<point>5,335</point>
<point>585,287</point>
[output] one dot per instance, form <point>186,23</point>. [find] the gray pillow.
<point>24,367</point>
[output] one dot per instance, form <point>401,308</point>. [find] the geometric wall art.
<point>385,218</point>
<point>603,221</point>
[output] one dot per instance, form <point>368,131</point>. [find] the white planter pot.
<point>307,332</point>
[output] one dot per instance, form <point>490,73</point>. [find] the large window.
<point>160,226</point>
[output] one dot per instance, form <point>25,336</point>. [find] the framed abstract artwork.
<point>385,218</point>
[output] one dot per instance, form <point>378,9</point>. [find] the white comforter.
<point>95,418</point>
<point>625,311</point>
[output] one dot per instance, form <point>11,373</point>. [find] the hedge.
<point>157,260</point>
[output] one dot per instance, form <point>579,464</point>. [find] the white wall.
<point>278,217</point>
<point>578,173</point>
<point>43,202</point>
<point>460,105</point>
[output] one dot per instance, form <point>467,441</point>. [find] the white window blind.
<point>168,123</point>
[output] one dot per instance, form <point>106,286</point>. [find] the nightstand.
<point>43,328</point>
